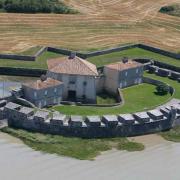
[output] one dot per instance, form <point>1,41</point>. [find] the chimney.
<point>43,77</point>
<point>72,55</point>
<point>125,60</point>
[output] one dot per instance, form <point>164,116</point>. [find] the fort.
<point>73,79</point>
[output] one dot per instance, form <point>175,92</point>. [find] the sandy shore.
<point>159,161</point>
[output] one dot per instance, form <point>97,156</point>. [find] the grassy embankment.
<point>31,51</point>
<point>172,135</point>
<point>98,60</point>
<point>137,98</point>
<point>72,147</point>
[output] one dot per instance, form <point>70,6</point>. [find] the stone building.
<point>43,92</point>
<point>78,75</point>
<point>122,74</point>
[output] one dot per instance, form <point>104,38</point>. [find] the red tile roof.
<point>120,66</point>
<point>77,66</point>
<point>49,82</point>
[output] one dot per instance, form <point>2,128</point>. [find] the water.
<point>159,161</point>
<point>7,83</point>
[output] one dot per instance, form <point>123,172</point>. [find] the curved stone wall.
<point>160,119</point>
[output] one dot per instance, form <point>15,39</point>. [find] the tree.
<point>162,89</point>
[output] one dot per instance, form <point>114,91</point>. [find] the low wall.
<point>159,51</point>
<point>111,50</point>
<point>41,51</point>
<point>91,54</point>
<point>98,132</point>
<point>166,66</point>
<point>17,57</point>
<point>85,130</point>
<point>21,72</point>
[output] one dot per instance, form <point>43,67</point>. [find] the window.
<point>125,83</point>
<point>126,73</point>
<point>120,85</point>
<point>35,94</point>
<point>45,92</point>
<point>54,101</point>
<point>137,70</point>
<point>55,90</point>
<point>45,103</point>
<point>85,83</point>
<point>72,79</point>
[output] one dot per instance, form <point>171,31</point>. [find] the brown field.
<point>100,24</point>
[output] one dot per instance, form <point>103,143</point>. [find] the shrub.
<point>167,9</point>
<point>35,6</point>
<point>162,89</point>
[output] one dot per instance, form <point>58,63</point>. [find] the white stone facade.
<point>79,87</point>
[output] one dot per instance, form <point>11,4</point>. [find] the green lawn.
<point>131,53</point>
<point>39,63</point>
<point>105,98</point>
<point>137,98</point>
<point>73,147</point>
<point>173,83</point>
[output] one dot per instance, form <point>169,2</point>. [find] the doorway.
<point>72,95</point>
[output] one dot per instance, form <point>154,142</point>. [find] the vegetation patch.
<point>173,10</point>
<point>73,147</point>
<point>131,53</point>
<point>106,98</point>
<point>172,135</point>
<point>35,6</point>
<point>137,98</point>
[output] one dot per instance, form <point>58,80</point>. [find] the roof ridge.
<point>84,62</point>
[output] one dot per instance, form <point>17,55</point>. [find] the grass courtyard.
<point>73,147</point>
<point>131,53</point>
<point>137,98</point>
